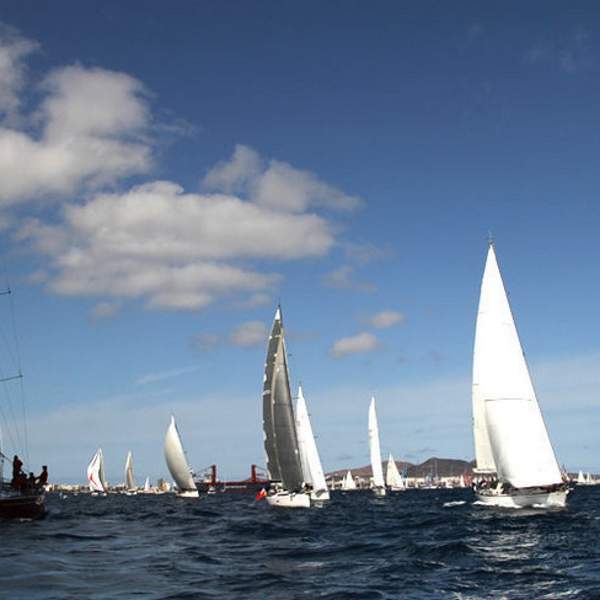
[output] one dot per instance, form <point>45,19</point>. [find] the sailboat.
<point>377,484</point>
<point>348,483</point>
<point>177,463</point>
<point>312,469</point>
<point>516,464</point>
<point>147,488</point>
<point>581,478</point>
<point>130,487</point>
<point>95,474</point>
<point>393,479</point>
<point>279,427</point>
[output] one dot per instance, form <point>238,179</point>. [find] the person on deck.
<point>17,474</point>
<point>42,478</point>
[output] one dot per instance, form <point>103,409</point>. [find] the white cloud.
<point>277,186</point>
<point>343,279</point>
<point>87,131</point>
<point>162,375</point>
<point>252,333</point>
<point>360,343</point>
<point>385,319</point>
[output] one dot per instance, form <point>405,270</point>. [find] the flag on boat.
<point>262,494</point>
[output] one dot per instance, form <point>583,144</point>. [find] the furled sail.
<point>309,455</point>
<point>129,478</point>
<point>393,479</point>
<point>281,443</point>
<point>176,460</point>
<point>510,434</point>
<point>95,473</point>
<point>374,447</point>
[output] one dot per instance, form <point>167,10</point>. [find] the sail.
<point>348,482</point>
<point>176,460</point>
<point>393,478</point>
<point>147,484</point>
<point>129,478</point>
<point>95,473</point>
<point>580,477</point>
<point>510,434</point>
<point>309,455</point>
<point>281,443</point>
<point>374,448</point>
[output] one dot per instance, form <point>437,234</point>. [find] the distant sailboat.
<point>130,486</point>
<point>95,474</point>
<point>516,464</point>
<point>378,484</point>
<point>147,488</point>
<point>393,479</point>
<point>348,483</point>
<point>309,455</point>
<point>580,478</point>
<point>177,463</point>
<point>279,427</point>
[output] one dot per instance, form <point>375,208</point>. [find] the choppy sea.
<point>414,544</point>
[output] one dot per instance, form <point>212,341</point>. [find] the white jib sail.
<point>309,455</point>
<point>176,460</point>
<point>348,482</point>
<point>510,433</point>
<point>147,484</point>
<point>374,447</point>
<point>129,478</point>
<point>95,472</point>
<point>393,478</point>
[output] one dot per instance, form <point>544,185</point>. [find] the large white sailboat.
<point>178,464</point>
<point>377,483</point>
<point>279,427</point>
<point>312,469</point>
<point>516,464</point>
<point>393,479</point>
<point>130,486</point>
<point>95,474</point>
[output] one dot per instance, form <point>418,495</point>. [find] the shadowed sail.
<point>95,473</point>
<point>281,443</point>
<point>129,478</point>
<point>177,462</point>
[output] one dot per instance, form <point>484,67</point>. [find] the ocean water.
<point>415,544</point>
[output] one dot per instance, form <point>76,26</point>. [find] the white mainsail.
<point>309,455</point>
<point>348,482</point>
<point>374,448</point>
<point>176,460</point>
<point>129,478</point>
<point>510,434</point>
<point>393,479</point>
<point>581,478</point>
<point>95,473</point>
<point>147,484</point>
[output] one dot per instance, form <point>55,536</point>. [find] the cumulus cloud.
<point>89,129</point>
<point>252,333</point>
<point>342,278</point>
<point>362,342</point>
<point>385,319</point>
<point>276,185</point>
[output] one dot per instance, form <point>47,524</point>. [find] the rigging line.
<point>19,445</point>
<point>7,429</point>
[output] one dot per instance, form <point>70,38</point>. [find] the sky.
<point>168,175</point>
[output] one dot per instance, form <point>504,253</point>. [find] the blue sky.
<point>167,175</point>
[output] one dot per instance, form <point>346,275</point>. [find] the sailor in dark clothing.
<point>17,475</point>
<point>42,478</point>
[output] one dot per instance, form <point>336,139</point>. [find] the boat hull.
<point>289,500</point>
<point>320,495</point>
<point>187,494</point>
<point>524,499</point>
<point>22,507</point>
<point>379,491</point>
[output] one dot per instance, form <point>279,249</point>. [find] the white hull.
<point>525,499</point>
<point>187,494</point>
<point>379,491</point>
<point>289,500</point>
<point>397,489</point>
<point>320,495</point>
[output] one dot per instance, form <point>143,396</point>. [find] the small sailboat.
<point>516,464</point>
<point>147,488</point>
<point>581,478</point>
<point>95,475</point>
<point>348,483</point>
<point>130,487</point>
<point>393,479</point>
<point>279,427</point>
<point>377,483</point>
<point>312,470</point>
<point>177,463</point>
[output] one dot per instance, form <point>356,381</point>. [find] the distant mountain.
<point>436,467</point>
